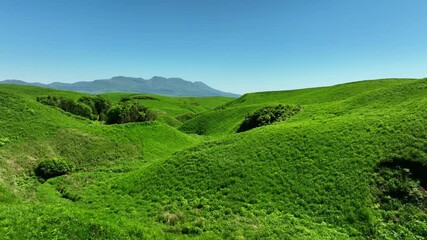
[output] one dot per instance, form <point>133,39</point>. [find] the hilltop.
<point>348,165</point>
<point>154,85</point>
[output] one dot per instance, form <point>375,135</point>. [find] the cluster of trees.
<point>130,111</point>
<point>268,115</point>
<point>69,105</point>
<point>99,108</point>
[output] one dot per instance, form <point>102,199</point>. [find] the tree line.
<point>100,109</point>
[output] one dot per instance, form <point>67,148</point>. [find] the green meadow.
<point>351,164</point>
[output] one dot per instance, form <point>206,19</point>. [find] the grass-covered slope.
<point>27,124</point>
<point>31,132</point>
<point>317,95</point>
<point>317,168</point>
<point>228,117</point>
<point>313,176</point>
<point>169,109</point>
<point>217,122</point>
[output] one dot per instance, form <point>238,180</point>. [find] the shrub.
<point>50,100</point>
<point>268,115</point>
<point>68,105</point>
<point>98,104</point>
<point>113,115</point>
<point>53,167</point>
<point>82,109</point>
<point>129,112</point>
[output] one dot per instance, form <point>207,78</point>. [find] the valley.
<point>341,167</point>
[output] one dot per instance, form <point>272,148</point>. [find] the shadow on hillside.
<point>401,180</point>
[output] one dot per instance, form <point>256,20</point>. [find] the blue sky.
<point>233,45</point>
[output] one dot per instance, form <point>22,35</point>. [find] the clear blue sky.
<point>233,45</point>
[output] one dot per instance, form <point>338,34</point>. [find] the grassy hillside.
<point>31,131</point>
<point>333,99</point>
<point>346,166</point>
<point>170,109</point>
<point>318,166</point>
<point>317,95</point>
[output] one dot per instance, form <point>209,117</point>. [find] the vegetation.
<point>268,115</point>
<point>138,97</point>
<point>53,167</point>
<point>87,106</point>
<point>68,105</point>
<point>98,104</point>
<point>98,108</point>
<point>347,166</point>
<point>129,112</point>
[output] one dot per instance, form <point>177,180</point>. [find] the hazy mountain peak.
<point>155,85</point>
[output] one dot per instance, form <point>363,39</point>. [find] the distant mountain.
<point>19,82</point>
<point>154,85</point>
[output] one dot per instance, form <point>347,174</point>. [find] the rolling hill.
<point>349,165</point>
<point>154,85</point>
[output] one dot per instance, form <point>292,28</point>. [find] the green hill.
<point>349,165</point>
<point>333,99</point>
<point>173,110</point>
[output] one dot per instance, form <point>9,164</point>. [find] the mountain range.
<point>154,85</point>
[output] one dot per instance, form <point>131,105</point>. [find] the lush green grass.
<point>35,132</point>
<point>217,122</point>
<point>310,177</point>
<point>168,108</point>
<point>227,119</point>
<point>317,166</point>
<point>317,95</point>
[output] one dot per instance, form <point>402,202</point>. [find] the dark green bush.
<point>82,109</point>
<point>92,107</point>
<point>50,100</point>
<point>67,104</point>
<point>113,115</point>
<point>130,111</point>
<point>53,167</point>
<point>268,115</point>
<point>98,104</point>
